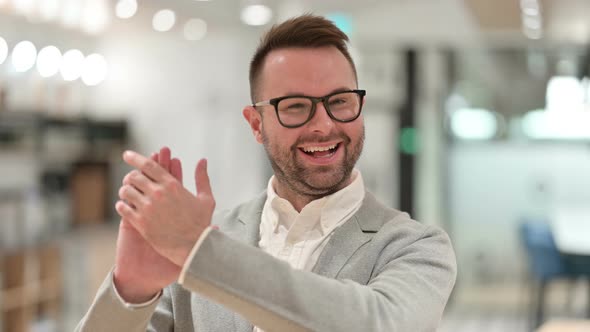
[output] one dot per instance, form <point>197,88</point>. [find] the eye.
<point>296,106</point>
<point>338,101</point>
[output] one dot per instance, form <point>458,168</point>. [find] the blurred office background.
<point>477,120</point>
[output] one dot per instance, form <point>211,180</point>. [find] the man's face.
<point>311,72</point>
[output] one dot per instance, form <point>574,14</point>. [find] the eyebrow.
<point>290,94</point>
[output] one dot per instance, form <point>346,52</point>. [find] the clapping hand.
<point>161,222</point>
<point>165,213</point>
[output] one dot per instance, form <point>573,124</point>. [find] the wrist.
<point>133,291</point>
<point>183,252</point>
<point>179,255</point>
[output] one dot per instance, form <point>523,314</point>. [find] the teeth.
<point>318,149</point>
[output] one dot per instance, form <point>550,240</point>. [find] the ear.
<point>255,121</point>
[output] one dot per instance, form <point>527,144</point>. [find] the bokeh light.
<point>71,65</point>
<point>164,20</point>
<point>48,61</point>
<point>195,29</point>
<point>94,69</point>
<point>24,55</point>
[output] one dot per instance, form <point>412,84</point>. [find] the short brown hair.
<point>306,31</point>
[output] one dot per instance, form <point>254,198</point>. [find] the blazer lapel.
<point>249,217</point>
<point>348,238</point>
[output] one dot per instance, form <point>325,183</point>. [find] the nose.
<point>321,121</point>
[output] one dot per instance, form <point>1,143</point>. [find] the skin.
<point>162,220</point>
<point>311,72</point>
<point>136,257</point>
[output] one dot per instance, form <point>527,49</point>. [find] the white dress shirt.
<point>299,237</point>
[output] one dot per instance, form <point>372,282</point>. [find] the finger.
<point>147,166</point>
<point>164,158</point>
<point>153,156</point>
<point>202,178</point>
<point>132,196</point>
<point>140,181</point>
<point>126,212</point>
<point>176,169</point>
<point>129,217</point>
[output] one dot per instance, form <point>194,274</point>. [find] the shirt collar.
<point>330,210</point>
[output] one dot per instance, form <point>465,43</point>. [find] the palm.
<point>136,257</point>
<point>138,267</point>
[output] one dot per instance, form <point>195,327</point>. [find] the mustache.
<point>316,138</point>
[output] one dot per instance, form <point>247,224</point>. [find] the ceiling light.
<point>530,7</point>
<point>164,20</point>
<point>256,15</point>
<point>532,22</point>
<point>95,16</point>
<point>474,124</point>
<point>23,56</point>
<point>94,70</point>
<point>541,124</point>
<point>126,8</point>
<point>48,61</point>
<point>195,29</point>
<point>71,65</point>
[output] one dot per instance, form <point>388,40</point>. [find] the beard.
<point>317,181</point>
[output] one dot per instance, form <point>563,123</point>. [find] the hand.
<point>167,215</point>
<point>141,272</point>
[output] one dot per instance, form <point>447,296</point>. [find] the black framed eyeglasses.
<point>295,111</point>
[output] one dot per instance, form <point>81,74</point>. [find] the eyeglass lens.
<point>295,110</point>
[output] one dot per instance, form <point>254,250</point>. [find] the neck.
<point>299,199</point>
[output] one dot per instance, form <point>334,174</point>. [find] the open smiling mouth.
<point>321,152</point>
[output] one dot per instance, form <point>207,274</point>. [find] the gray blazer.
<point>380,271</point>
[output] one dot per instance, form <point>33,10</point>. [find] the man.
<point>315,252</point>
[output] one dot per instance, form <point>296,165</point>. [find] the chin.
<point>323,183</point>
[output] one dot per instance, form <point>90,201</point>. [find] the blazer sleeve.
<point>407,291</point>
<point>107,313</point>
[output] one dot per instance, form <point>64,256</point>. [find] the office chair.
<point>546,263</point>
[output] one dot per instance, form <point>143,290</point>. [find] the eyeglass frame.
<point>315,100</point>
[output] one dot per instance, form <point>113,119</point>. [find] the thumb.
<point>202,178</point>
